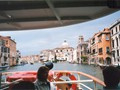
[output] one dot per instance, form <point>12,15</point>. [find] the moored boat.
<point>103,66</point>
<point>56,77</point>
<point>4,67</point>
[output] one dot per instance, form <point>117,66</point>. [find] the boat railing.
<point>5,85</point>
<point>80,83</point>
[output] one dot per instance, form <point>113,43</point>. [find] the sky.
<point>33,41</point>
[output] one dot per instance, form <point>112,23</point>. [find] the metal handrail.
<point>73,81</point>
<point>94,79</point>
<point>84,74</point>
<point>86,86</point>
<point>7,84</point>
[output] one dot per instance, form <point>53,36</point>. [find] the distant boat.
<point>103,66</point>
<point>4,67</point>
<point>31,62</point>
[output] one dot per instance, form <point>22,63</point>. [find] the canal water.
<point>89,69</point>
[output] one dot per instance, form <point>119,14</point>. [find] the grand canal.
<point>89,69</point>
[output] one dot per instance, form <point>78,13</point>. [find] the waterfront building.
<point>51,55</point>
<point>44,55</point>
<point>4,54</point>
<point>36,58</point>
<point>33,58</point>
<point>18,56</point>
<point>94,49</point>
<point>25,59</point>
<point>89,52</point>
<point>104,47</point>
<point>100,48</point>
<point>82,50</point>
<point>11,44</point>
<point>115,42</point>
<point>30,59</point>
<point>47,55</point>
<point>75,57</point>
<point>64,52</point>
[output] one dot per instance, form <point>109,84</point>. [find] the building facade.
<point>18,56</point>
<point>11,44</point>
<point>100,48</point>
<point>44,55</point>
<point>4,54</point>
<point>62,53</point>
<point>104,47</point>
<point>82,50</point>
<point>115,42</point>
<point>94,49</point>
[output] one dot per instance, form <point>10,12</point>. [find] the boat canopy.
<point>39,14</point>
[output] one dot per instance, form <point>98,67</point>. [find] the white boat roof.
<point>39,14</point>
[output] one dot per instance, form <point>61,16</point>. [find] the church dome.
<point>65,44</point>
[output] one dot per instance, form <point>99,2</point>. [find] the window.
<point>5,49</point>
<point>114,54</point>
<point>116,29</point>
<point>56,50</point>
<point>107,37</point>
<point>112,32</point>
<point>93,40</point>
<point>8,50</point>
<point>81,53</point>
<point>100,51</point>
<point>93,51</point>
<point>117,41</point>
<point>2,49</point>
<point>107,49</point>
<point>2,42</point>
<point>117,52</point>
<point>119,27</point>
<point>113,43</point>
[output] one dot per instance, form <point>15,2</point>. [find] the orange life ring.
<point>50,76</point>
<point>71,77</point>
